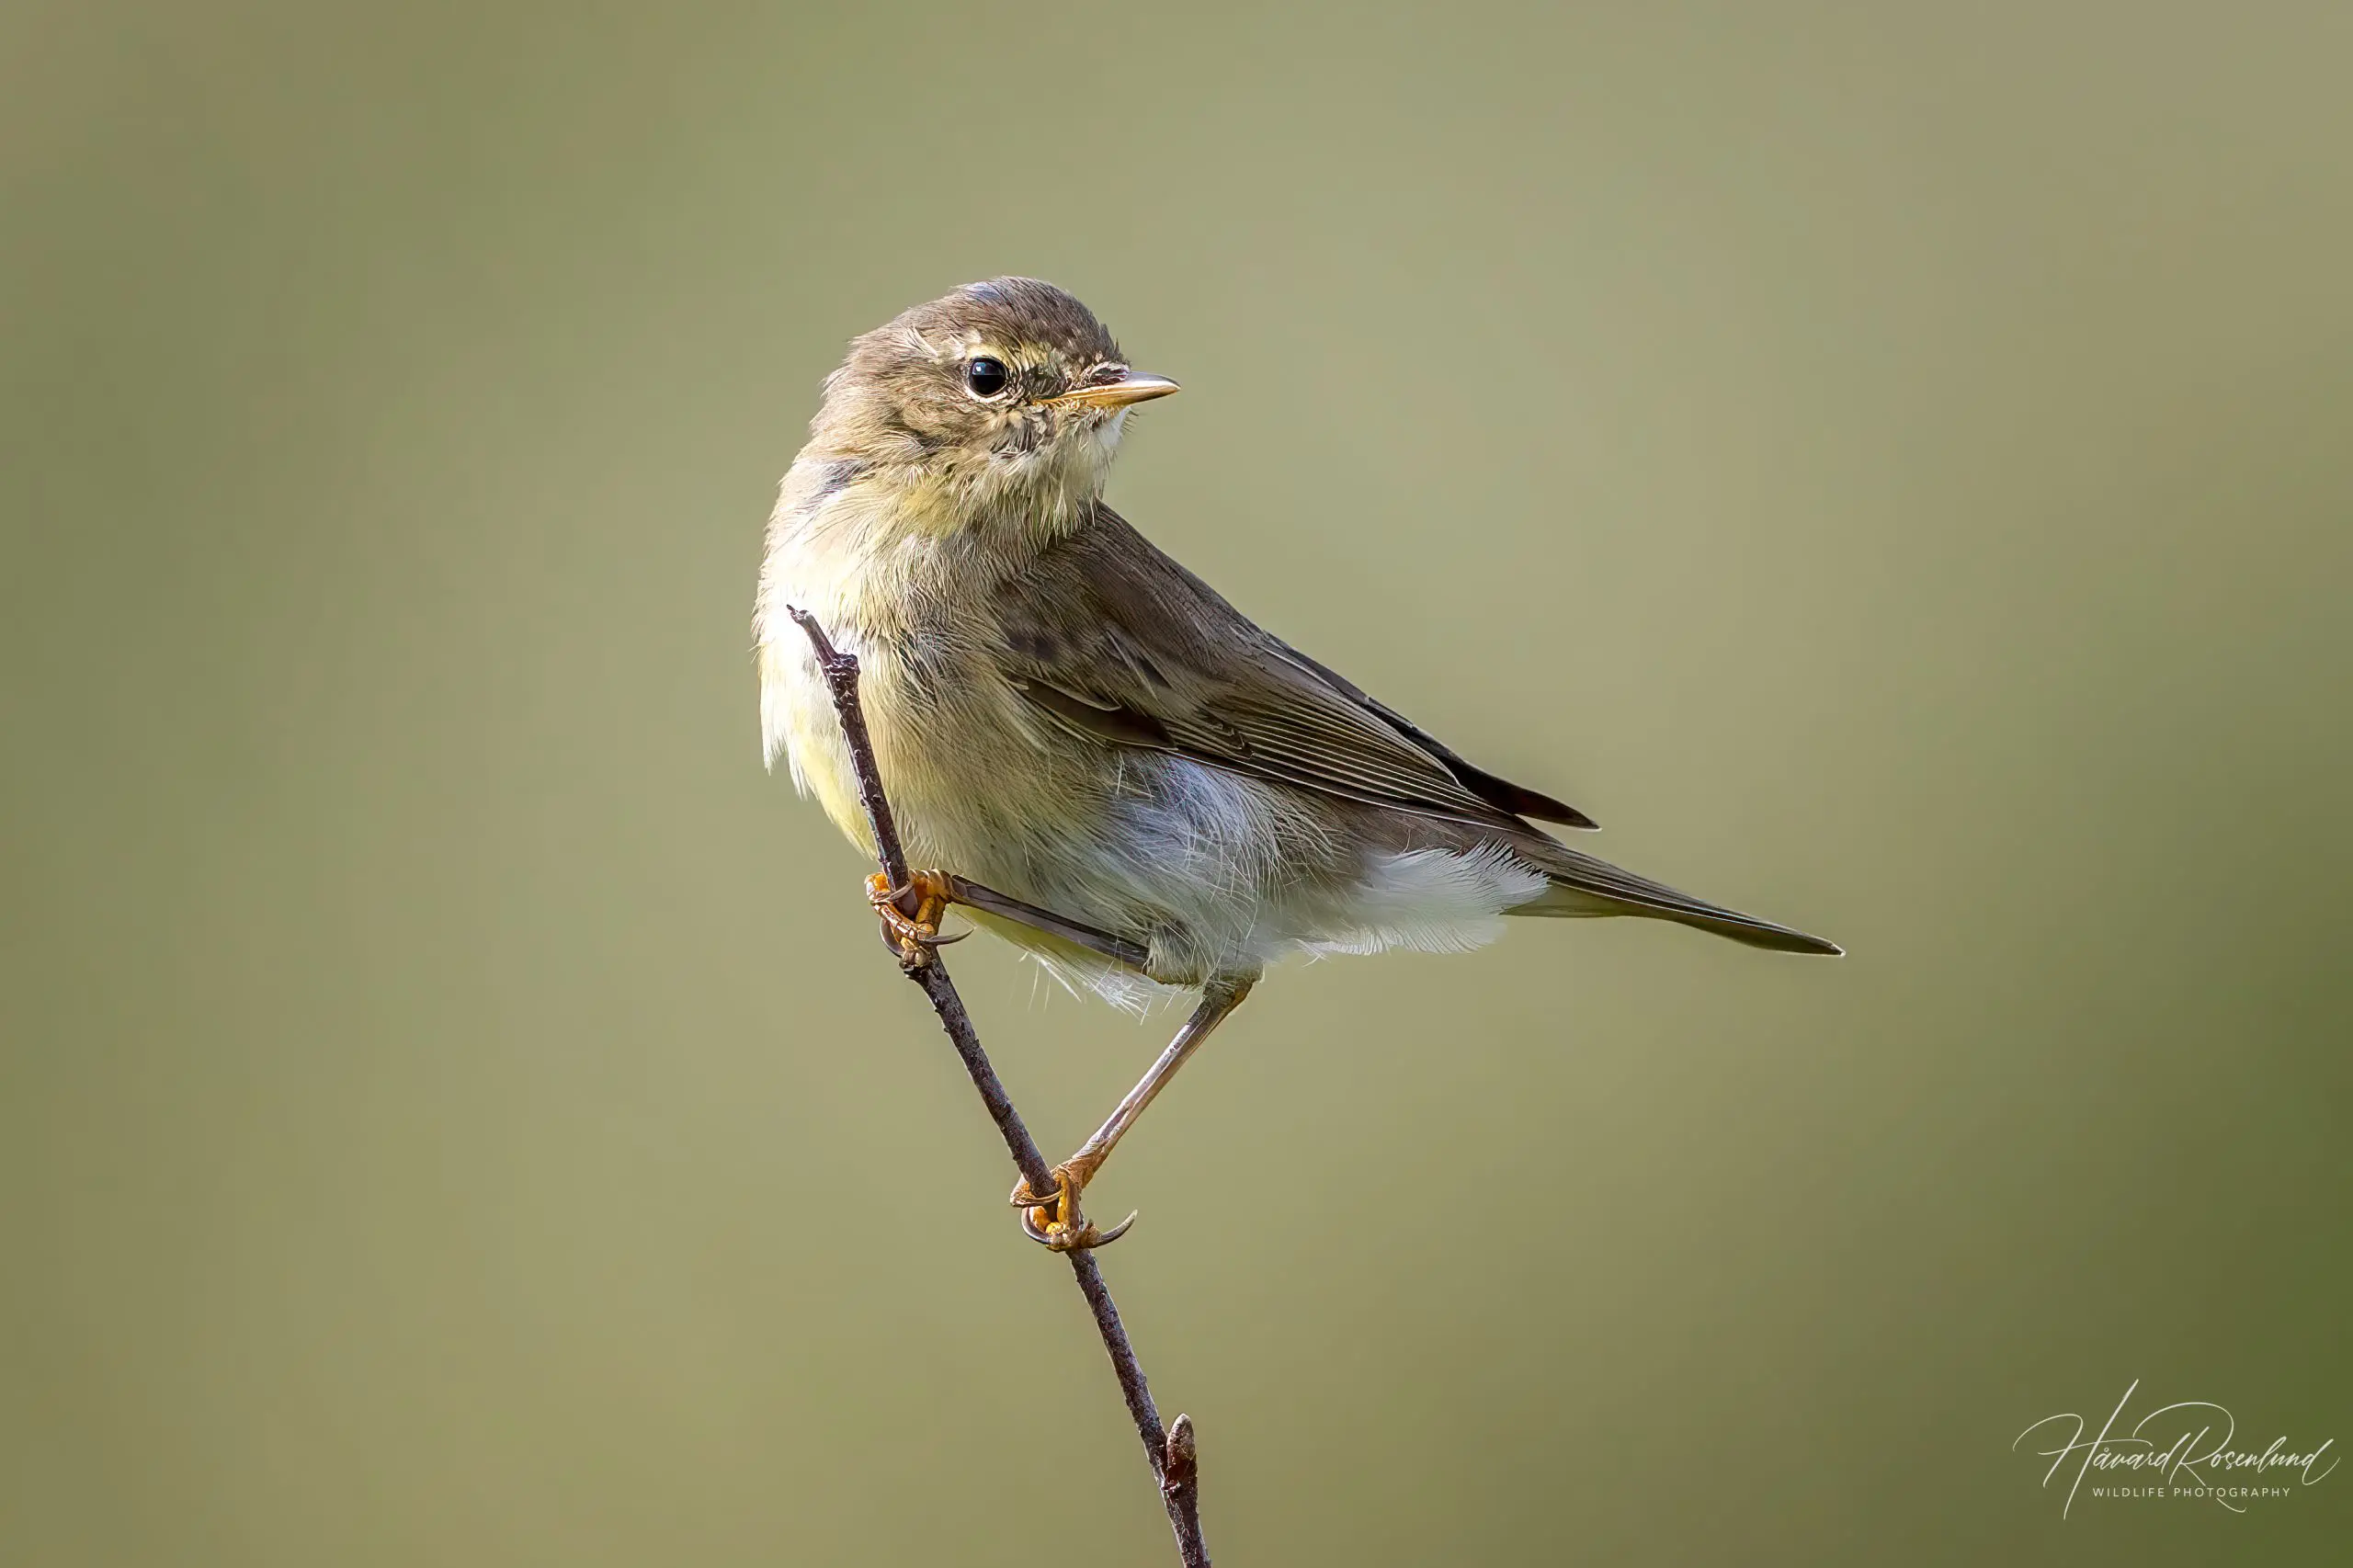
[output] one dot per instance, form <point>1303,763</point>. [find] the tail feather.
<point>1583,886</point>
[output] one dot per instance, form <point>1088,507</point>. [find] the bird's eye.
<point>987,377</point>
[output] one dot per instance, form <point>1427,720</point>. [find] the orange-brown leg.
<point>1054,1219</point>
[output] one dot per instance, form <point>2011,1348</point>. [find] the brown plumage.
<point>1064,714</point>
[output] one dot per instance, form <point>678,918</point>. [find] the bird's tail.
<point>1583,886</point>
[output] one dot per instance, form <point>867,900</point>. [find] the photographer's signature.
<point>2186,1449</point>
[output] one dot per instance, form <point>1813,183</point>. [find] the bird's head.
<point>1003,396</point>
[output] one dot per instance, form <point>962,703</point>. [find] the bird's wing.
<point>1114,640</point>
<point>1517,800</point>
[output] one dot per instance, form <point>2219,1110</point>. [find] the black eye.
<point>987,377</point>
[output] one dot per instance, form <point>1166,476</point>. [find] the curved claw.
<point>1054,1220</point>
<point>1023,1197</point>
<point>1105,1238</point>
<point>1055,1236</point>
<point>898,941</point>
<point>913,936</point>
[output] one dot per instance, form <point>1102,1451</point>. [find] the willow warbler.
<point>1063,713</point>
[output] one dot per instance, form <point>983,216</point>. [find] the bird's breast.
<point>979,782</point>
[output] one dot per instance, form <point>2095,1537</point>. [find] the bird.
<point>1063,714</point>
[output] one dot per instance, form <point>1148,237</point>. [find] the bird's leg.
<point>1053,1217</point>
<point>913,933</point>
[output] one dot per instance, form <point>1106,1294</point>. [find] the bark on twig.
<point>1169,1450</point>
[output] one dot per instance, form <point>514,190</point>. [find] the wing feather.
<point>1112,639</point>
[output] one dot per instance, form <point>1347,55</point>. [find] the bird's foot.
<point>911,933</point>
<point>1053,1221</point>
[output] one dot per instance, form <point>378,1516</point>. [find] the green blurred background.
<point>1891,464</point>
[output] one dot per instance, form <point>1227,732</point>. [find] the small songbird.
<point>1063,714</point>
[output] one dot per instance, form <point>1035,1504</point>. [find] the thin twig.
<point>1169,1450</point>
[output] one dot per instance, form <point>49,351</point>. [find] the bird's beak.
<point>1133,386</point>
